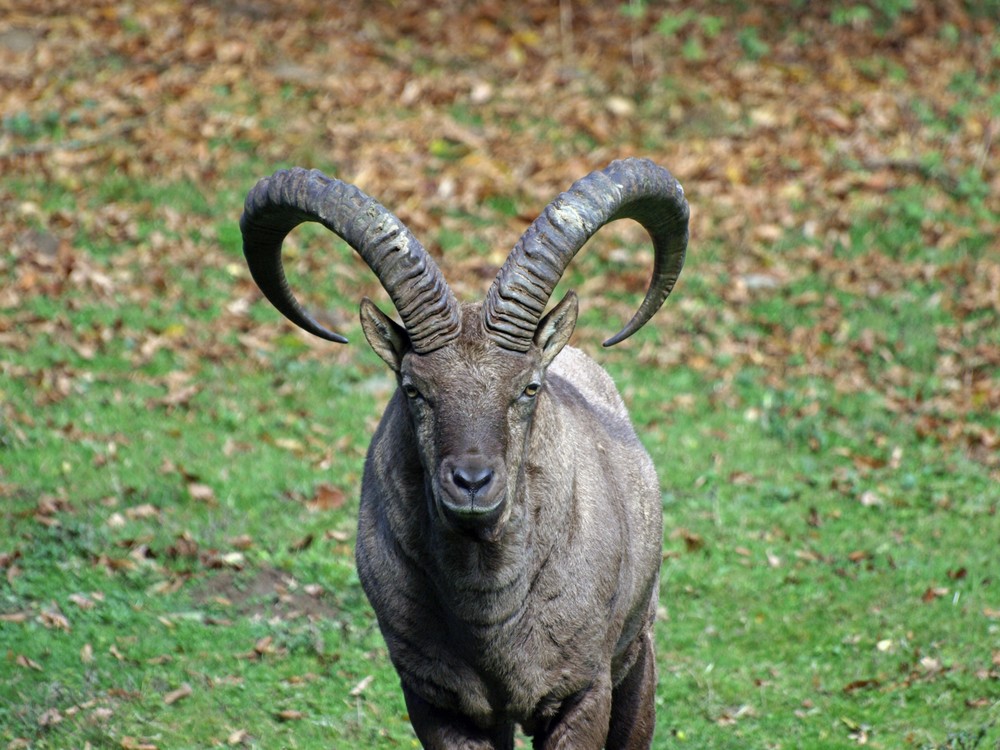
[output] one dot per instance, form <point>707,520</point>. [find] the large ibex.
<point>510,528</point>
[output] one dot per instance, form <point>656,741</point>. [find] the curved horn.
<point>279,203</point>
<point>629,189</point>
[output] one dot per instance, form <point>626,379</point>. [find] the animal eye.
<point>410,390</point>
<point>531,389</point>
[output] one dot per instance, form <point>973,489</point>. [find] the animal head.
<point>470,376</point>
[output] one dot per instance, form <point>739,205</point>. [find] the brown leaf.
<point>179,694</point>
<point>326,497</point>
<point>692,541</point>
<point>242,542</point>
<point>870,499</point>
<point>82,601</point>
<point>289,715</point>
<point>24,661</point>
<point>861,685</point>
<point>13,572</point>
<point>201,492</point>
<point>132,743</point>
<point>53,618</point>
<point>146,510</point>
<point>362,686</point>
<point>933,592</point>
<point>931,665</point>
<point>217,560</point>
<point>49,718</point>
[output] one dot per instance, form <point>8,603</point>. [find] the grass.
<point>829,573</point>
<point>179,469</point>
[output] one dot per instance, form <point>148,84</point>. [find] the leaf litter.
<point>781,146</point>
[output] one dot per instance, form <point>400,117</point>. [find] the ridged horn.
<point>634,189</point>
<point>279,203</point>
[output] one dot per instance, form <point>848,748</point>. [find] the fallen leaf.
<point>146,510</point>
<point>234,560</point>
<point>326,497</point>
<point>53,618</point>
<point>362,686</point>
<point>82,601</point>
<point>50,718</point>
<point>24,661</point>
<point>930,664</point>
<point>201,492</point>
<point>289,715</point>
<point>870,499</point>
<point>933,592</point>
<point>242,542</point>
<point>692,542</point>
<point>861,685</point>
<point>179,694</point>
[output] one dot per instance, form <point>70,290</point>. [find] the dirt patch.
<point>265,593</point>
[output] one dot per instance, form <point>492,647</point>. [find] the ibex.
<point>510,529</point>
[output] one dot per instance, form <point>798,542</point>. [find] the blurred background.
<point>179,467</point>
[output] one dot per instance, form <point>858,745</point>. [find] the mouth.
<point>471,518</point>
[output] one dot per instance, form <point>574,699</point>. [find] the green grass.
<point>179,469</point>
<point>829,572</point>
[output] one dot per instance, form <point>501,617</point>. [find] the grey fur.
<point>510,532</point>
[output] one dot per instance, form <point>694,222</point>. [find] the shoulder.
<point>583,375</point>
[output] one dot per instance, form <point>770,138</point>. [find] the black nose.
<point>471,479</point>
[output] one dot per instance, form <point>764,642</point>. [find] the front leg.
<point>438,729</point>
<point>582,722</point>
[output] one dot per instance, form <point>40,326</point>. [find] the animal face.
<point>471,405</point>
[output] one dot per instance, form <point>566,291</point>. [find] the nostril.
<point>471,479</point>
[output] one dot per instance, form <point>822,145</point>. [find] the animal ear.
<point>389,339</point>
<point>556,327</point>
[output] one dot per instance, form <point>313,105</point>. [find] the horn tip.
<point>331,336</point>
<point>616,339</point>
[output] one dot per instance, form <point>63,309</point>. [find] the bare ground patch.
<point>266,593</point>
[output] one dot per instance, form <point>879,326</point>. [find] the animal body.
<point>510,526</point>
